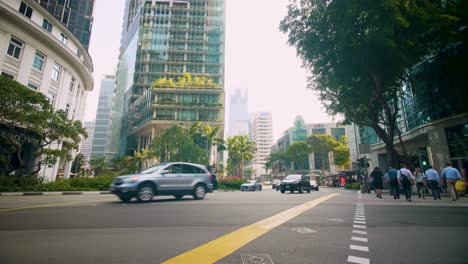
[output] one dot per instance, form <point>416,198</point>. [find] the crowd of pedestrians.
<point>423,180</point>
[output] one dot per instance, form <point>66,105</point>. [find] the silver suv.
<point>175,178</point>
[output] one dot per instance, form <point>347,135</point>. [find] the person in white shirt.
<point>406,178</point>
<point>420,182</point>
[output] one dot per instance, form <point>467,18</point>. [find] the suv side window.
<point>192,169</point>
<point>175,168</point>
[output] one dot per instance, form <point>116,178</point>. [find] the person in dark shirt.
<point>377,177</point>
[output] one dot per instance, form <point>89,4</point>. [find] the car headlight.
<point>132,179</point>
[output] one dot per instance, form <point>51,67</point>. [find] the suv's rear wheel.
<point>125,197</point>
<point>282,191</point>
<point>199,192</point>
<point>308,189</point>
<point>145,193</point>
<point>178,196</point>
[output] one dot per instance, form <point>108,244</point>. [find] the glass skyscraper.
<point>103,119</point>
<point>76,15</point>
<point>167,39</point>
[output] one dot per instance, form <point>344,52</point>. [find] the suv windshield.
<point>152,169</point>
<point>293,177</point>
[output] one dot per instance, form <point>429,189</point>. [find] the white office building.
<point>261,132</point>
<point>87,144</point>
<point>39,52</point>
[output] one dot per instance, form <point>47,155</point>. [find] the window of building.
<point>187,98</point>
<point>338,132</point>
<point>318,131</point>
<point>63,39</point>
<point>39,60</point>
<point>187,115</point>
<point>208,115</point>
<point>51,96</point>
<point>67,109</point>
<point>56,72</point>
<point>209,98</point>
<point>72,84</point>
<point>165,114</point>
<point>25,10</point>
<point>9,76</point>
<point>166,97</point>
<point>15,47</point>
<point>46,25</point>
<point>32,86</point>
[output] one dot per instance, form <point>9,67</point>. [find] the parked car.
<point>295,182</point>
<point>313,185</point>
<point>175,178</point>
<point>275,184</point>
<point>252,185</point>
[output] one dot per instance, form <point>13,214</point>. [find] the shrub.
<point>352,186</point>
<point>13,184</point>
<point>230,183</point>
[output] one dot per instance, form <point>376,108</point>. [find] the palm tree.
<point>204,136</point>
<point>240,150</point>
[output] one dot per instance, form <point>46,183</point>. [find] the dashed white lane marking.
<point>359,226</point>
<point>358,260</point>
<point>359,222</point>
<point>360,239</point>
<point>360,232</point>
<point>360,248</point>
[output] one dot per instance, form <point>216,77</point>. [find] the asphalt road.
<point>329,226</point>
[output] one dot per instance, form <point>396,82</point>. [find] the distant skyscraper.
<point>76,15</point>
<point>261,132</point>
<point>87,144</point>
<point>238,120</point>
<point>103,119</point>
<point>167,39</point>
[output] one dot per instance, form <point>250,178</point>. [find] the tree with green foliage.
<point>240,150</point>
<point>204,136</point>
<point>176,144</point>
<point>298,153</point>
<point>99,166</point>
<point>279,161</point>
<point>28,123</point>
<point>360,52</point>
<point>322,145</point>
<point>341,155</point>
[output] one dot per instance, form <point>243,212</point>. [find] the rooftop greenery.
<point>186,81</point>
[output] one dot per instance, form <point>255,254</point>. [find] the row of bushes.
<point>13,184</point>
<point>230,183</point>
<point>352,186</point>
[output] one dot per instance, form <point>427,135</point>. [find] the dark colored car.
<point>295,182</point>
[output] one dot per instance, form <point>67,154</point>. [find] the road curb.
<point>54,193</point>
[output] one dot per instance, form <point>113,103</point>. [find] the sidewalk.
<point>54,193</point>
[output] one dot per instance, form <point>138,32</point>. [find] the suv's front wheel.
<point>199,192</point>
<point>145,193</point>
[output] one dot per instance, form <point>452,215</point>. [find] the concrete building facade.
<point>41,53</point>
<point>261,133</point>
<point>167,39</point>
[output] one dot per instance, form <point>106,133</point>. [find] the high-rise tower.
<point>168,39</point>
<point>103,119</point>
<point>261,132</point>
<point>238,114</point>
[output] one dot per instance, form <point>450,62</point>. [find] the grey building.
<point>103,119</point>
<point>238,119</point>
<point>87,143</point>
<point>166,39</point>
<point>76,15</point>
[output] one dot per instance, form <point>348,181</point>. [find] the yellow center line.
<point>51,205</point>
<point>225,245</point>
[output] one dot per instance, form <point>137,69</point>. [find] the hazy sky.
<point>257,60</point>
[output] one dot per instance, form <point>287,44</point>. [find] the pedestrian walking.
<point>451,176</point>
<point>394,185</point>
<point>377,180</point>
<point>433,180</point>
<point>420,182</point>
<point>406,178</point>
